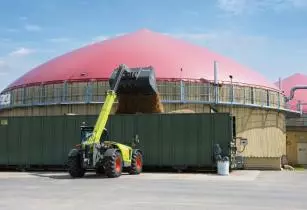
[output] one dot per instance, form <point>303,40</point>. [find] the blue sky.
<point>269,36</point>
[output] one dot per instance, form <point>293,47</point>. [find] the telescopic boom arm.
<point>123,81</point>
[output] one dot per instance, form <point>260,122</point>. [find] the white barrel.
<point>223,167</point>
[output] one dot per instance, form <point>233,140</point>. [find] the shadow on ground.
<point>93,175</point>
<point>68,177</point>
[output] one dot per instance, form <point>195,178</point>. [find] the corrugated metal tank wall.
<point>264,129</point>
<point>266,134</point>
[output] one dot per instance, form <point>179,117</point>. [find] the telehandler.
<point>95,150</point>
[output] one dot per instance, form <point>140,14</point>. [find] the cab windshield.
<point>85,134</point>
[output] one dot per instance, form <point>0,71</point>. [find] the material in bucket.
<point>130,104</point>
<point>136,90</point>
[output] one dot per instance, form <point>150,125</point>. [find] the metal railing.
<point>170,92</point>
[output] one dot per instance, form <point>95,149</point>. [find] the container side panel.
<point>179,137</point>
<point>25,135</point>
<point>14,157</point>
<point>222,131</point>
<point>166,135</point>
<point>148,129</point>
<point>184,129</point>
<point>36,142</point>
<point>71,134</point>
<point>53,147</point>
<point>123,128</point>
<point>204,143</point>
<point>4,131</point>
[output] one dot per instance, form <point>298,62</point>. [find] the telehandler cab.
<point>95,150</point>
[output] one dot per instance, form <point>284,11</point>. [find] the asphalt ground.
<point>247,190</point>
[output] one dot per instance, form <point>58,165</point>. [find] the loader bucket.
<point>136,91</point>
<point>135,81</point>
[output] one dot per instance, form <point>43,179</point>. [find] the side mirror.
<point>136,140</point>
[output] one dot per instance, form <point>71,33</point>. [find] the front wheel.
<point>136,163</point>
<point>114,165</point>
<point>75,168</point>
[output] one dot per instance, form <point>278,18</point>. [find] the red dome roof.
<point>142,48</point>
<point>299,95</point>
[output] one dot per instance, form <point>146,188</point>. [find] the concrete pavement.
<point>241,190</point>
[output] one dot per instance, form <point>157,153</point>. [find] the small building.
<point>296,126</point>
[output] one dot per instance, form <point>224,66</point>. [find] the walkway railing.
<point>183,92</point>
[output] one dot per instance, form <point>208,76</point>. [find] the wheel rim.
<point>139,162</point>
<point>118,164</point>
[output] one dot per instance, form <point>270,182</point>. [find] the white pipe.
<point>215,72</point>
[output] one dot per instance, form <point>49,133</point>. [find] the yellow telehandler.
<point>96,150</point>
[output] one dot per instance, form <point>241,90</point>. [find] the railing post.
<point>299,106</point>
<point>64,94</point>
<point>89,92</point>
<point>182,91</point>
<point>278,104</point>
<point>231,93</point>
<point>209,91</point>
<point>244,97</point>
<point>267,98</point>
<point>252,95</point>
<point>41,93</point>
<point>24,96</point>
<point>12,98</point>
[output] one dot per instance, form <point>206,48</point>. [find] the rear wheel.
<point>74,167</point>
<point>136,163</point>
<point>114,165</point>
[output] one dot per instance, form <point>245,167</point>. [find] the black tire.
<point>114,165</point>
<point>74,167</point>
<point>136,163</point>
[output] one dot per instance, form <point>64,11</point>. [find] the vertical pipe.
<point>232,96</point>
<point>216,90</point>
<point>215,72</point>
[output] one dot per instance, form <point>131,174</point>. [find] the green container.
<point>167,139</point>
<point>175,139</point>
